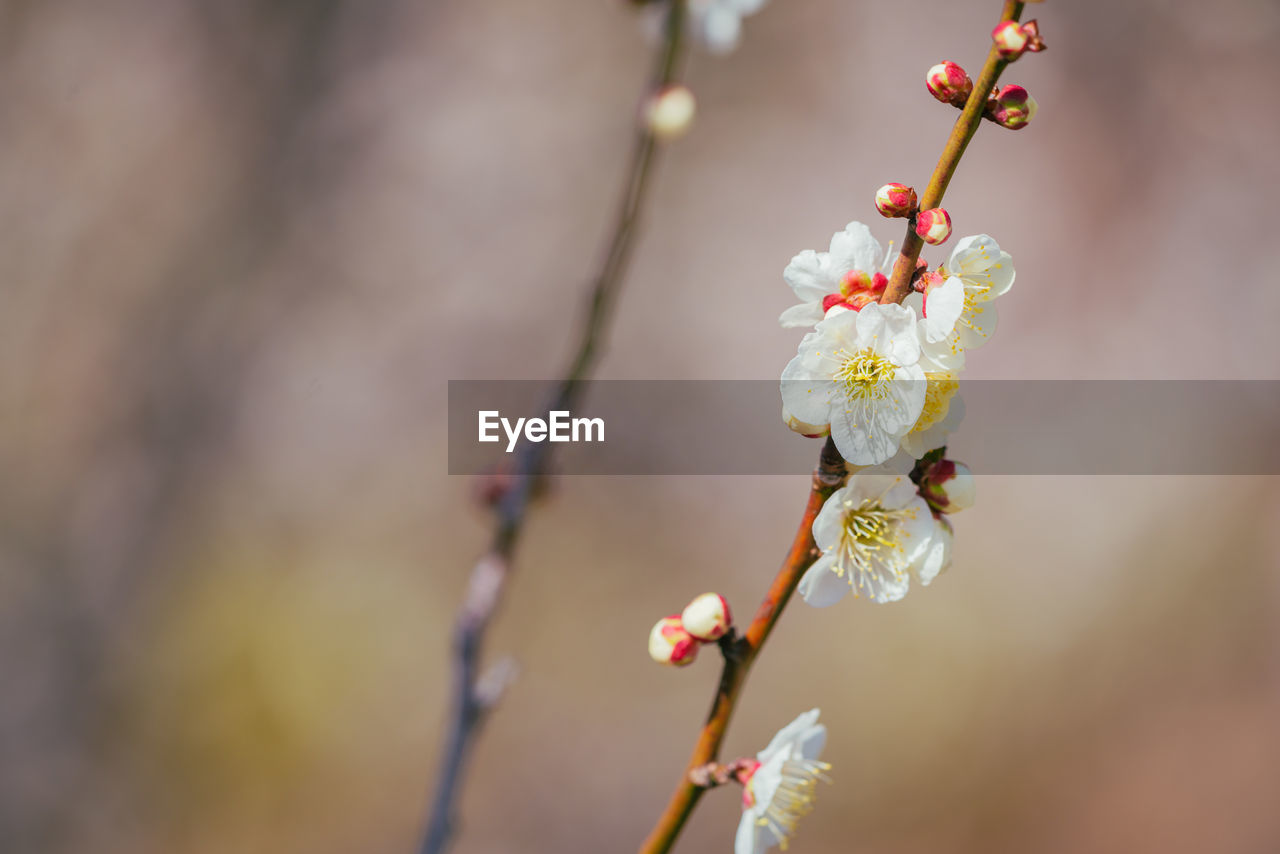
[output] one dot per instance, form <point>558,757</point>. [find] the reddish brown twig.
<point>965,127</point>
<point>741,654</point>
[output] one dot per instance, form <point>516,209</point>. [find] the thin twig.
<point>828,477</point>
<point>474,696</point>
<point>965,127</point>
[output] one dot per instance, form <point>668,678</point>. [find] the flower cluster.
<point>880,378</point>
<point>675,640</point>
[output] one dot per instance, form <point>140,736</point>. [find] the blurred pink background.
<point>243,247</point>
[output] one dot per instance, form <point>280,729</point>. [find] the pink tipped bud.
<point>811,431</point>
<point>669,643</point>
<point>948,486</point>
<point>949,83</point>
<point>896,200</point>
<point>1013,107</point>
<point>933,226</point>
<point>668,113</point>
<point>707,617</point>
<point>1013,39</point>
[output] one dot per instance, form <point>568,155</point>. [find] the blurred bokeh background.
<point>243,245</point>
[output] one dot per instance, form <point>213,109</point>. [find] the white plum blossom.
<point>778,789</point>
<point>874,533</point>
<point>961,311</point>
<point>857,374</point>
<point>718,23</point>
<point>851,273</point>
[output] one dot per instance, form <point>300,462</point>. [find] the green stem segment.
<point>966,126</point>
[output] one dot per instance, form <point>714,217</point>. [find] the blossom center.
<point>857,289</point>
<point>871,544</point>
<point>865,375</point>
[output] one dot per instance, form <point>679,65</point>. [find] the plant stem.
<point>965,127</point>
<point>739,656</point>
<point>471,698</point>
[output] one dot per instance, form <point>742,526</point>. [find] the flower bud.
<point>948,486</point>
<point>670,644</point>
<point>811,431</point>
<point>1013,107</point>
<point>707,617</point>
<point>896,200</point>
<point>933,226</point>
<point>949,83</point>
<point>1013,39</point>
<point>668,113</point>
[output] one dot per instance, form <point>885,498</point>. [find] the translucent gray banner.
<point>682,427</point>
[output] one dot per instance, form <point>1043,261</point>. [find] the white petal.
<point>811,743</point>
<point>1001,275</point>
<point>871,326</point>
<point>942,357</point>
<point>806,394</point>
<point>791,734</point>
<point>854,249</point>
<point>804,314</point>
<point>901,343</point>
<point>809,275</point>
<point>882,588</point>
<point>936,556</point>
<point>941,308</point>
<point>749,839</point>
<point>829,524</point>
<point>820,587</point>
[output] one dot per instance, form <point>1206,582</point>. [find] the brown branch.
<point>965,127</point>
<point>473,696</point>
<point>741,654</point>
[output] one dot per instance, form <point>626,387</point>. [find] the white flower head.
<point>779,790</point>
<point>963,306</point>
<point>873,533</point>
<point>850,274</point>
<point>857,373</point>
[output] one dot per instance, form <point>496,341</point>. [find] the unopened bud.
<point>669,643</point>
<point>1013,107</point>
<point>948,486</point>
<point>1013,39</point>
<point>707,617</point>
<point>896,200</point>
<point>933,226</point>
<point>949,83</point>
<point>812,431</point>
<point>668,113</point>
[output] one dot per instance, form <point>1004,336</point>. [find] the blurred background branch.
<point>489,577</point>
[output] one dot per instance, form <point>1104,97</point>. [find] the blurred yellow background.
<point>243,245</point>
